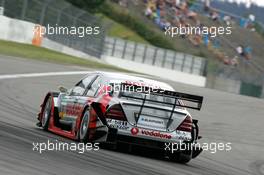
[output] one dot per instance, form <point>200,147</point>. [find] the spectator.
<point>177,3</point>
<point>240,50</point>
<point>216,44</point>
<point>151,4</point>
<point>195,39</point>
<point>227,19</point>
<point>250,22</point>
<point>123,3</point>
<point>226,60</point>
<point>187,12</point>
<point>214,16</point>
<point>234,61</point>
<point>248,52</point>
<point>148,12</point>
<point>206,5</point>
<point>242,22</point>
<point>251,17</point>
<point>206,39</point>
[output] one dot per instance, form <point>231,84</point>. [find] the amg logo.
<point>156,134</point>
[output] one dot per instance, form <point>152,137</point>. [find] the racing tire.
<point>84,130</point>
<point>181,157</point>
<point>46,114</point>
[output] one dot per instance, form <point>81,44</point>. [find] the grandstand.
<point>237,56</point>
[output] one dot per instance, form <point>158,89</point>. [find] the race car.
<point>107,107</point>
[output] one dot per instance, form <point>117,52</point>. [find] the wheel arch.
<point>79,120</point>
<point>49,94</point>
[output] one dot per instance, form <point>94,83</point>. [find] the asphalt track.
<point>224,118</point>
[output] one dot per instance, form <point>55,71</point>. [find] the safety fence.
<point>58,13</point>
<point>155,56</point>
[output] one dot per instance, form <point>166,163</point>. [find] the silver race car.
<point>116,108</point>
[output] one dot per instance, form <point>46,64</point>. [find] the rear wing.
<point>187,100</point>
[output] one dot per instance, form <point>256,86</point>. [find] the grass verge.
<point>42,54</point>
<point>116,29</point>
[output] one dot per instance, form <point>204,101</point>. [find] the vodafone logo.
<point>156,134</point>
<point>134,131</point>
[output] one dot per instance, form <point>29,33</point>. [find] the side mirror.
<point>62,89</point>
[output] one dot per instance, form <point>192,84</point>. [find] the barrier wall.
<point>223,84</point>
<point>262,92</point>
<point>52,45</point>
<point>168,74</point>
<point>23,32</point>
<point>49,13</point>
<point>16,30</point>
<point>1,10</point>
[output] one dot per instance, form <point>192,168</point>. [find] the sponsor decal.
<point>71,110</point>
<point>155,134</point>
<point>151,122</point>
<point>134,131</point>
<point>181,135</point>
<point>118,124</point>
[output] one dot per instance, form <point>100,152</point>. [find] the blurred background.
<point>132,32</point>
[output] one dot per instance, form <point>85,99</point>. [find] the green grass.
<point>116,29</point>
<point>43,54</point>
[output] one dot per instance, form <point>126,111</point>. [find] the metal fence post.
<point>113,48</point>
<point>60,12</point>
<point>24,9</point>
<point>3,3</point>
<point>124,50</point>
<point>183,62</point>
<point>192,65</point>
<point>144,54</point>
<point>77,16</point>
<point>204,68</point>
<point>59,17</point>
<point>164,58</point>
<point>155,56</point>
<point>174,60</point>
<point>43,11</point>
<point>134,52</point>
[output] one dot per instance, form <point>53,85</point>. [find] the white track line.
<point>44,74</point>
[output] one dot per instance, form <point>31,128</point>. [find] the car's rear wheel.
<point>46,114</point>
<point>84,130</point>
<point>181,157</point>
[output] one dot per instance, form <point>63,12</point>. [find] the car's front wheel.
<point>46,114</point>
<point>84,130</point>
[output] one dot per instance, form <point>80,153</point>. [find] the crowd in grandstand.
<point>166,13</point>
<point>175,13</point>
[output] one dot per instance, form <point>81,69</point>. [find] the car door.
<point>70,103</point>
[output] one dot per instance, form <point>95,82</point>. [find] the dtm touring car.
<point>115,108</point>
